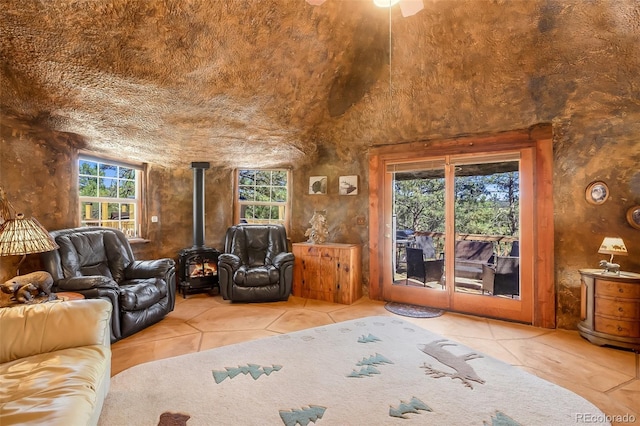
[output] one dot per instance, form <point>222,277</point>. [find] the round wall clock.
<point>633,216</point>
<point>597,192</point>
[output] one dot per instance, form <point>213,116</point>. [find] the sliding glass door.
<point>458,240</point>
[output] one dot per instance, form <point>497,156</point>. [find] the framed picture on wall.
<point>348,185</point>
<point>318,185</point>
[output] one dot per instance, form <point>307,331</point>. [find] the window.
<point>109,194</point>
<point>262,196</point>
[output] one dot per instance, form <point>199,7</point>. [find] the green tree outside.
<point>485,204</point>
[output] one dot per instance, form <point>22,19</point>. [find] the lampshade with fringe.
<point>20,236</point>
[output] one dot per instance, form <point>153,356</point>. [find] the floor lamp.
<point>20,236</point>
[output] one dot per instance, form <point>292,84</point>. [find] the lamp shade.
<point>613,245</point>
<point>22,236</point>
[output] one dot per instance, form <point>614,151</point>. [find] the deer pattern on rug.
<point>463,371</point>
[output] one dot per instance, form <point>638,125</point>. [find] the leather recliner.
<point>99,263</point>
<point>256,265</point>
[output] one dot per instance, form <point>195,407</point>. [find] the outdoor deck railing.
<point>502,244</point>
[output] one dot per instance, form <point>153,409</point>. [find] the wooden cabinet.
<point>329,272</point>
<point>610,308</point>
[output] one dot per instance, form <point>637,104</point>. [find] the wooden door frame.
<point>540,138</point>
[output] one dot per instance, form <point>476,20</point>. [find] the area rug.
<point>369,371</point>
<point>413,311</point>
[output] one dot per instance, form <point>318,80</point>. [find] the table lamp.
<point>20,236</point>
<point>612,246</point>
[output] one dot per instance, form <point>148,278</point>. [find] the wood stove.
<point>198,269</point>
<point>198,265</point>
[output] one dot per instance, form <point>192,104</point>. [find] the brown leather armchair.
<point>99,263</point>
<point>256,265</point>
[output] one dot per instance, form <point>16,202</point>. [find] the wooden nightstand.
<point>610,308</point>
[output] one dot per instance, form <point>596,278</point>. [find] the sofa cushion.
<point>65,387</point>
<point>55,362</point>
<point>33,329</point>
<point>481,251</point>
<point>139,294</point>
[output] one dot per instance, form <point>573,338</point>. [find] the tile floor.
<point>609,378</point>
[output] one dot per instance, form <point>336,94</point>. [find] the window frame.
<point>238,203</point>
<point>137,201</point>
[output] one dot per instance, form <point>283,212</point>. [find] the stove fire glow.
<point>203,269</point>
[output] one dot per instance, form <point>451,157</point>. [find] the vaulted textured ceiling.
<point>272,82</point>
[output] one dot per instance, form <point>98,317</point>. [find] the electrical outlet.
<point>361,221</point>
<point>154,219</point>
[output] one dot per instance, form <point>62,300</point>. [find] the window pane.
<point>263,193</point>
<point>247,193</point>
<point>88,168</point>
<point>247,212</point>
<point>89,211</point>
<point>128,211</point>
<point>279,194</point>
<point>263,177</point>
<point>113,211</point>
<point>108,188</point>
<point>127,173</point>
<point>128,227</point>
<point>279,178</point>
<point>419,222</point>
<point>88,186</point>
<point>275,212</point>
<point>127,189</point>
<point>261,212</point>
<point>247,177</point>
<point>108,170</point>
<point>487,205</point>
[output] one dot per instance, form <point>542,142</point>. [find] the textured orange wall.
<point>37,172</point>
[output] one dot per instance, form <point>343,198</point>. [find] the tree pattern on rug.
<point>367,364</point>
<point>501,419</point>
<point>410,407</point>
<point>376,359</point>
<point>254,370</point>
<point>302,416</point>
<point>367,371</point>
<point>368,339</point>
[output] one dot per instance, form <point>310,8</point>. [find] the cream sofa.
<point>55,362</point>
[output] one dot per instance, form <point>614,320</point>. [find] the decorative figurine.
<point>610,268</point>
<point>318,232</point>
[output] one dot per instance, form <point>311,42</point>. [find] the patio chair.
<point>425,270</point>
<point>504,278</point>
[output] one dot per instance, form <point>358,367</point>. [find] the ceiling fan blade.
<point>410,7</point>
<point>315,2</point>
